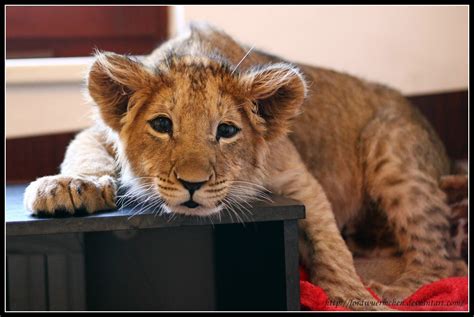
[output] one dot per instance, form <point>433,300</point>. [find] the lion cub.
<point>197,128</point>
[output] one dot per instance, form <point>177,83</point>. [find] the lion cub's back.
<point>327,133</point>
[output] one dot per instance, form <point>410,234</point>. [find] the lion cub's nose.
<point>190,186</point>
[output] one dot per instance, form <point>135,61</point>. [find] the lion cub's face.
<point>193,133</point>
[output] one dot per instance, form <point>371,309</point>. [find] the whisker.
<point>231,208</point>
<point>245,211</point>
<point>172,217</point>
<point>220,216</point>
<point>210,219</point>
<point>245,56</point>
<point>157,207</point>
<point>137,189</point>
<point>133,197</point>
<point>251,193</point>
<point>140,195</point>
<point>250,183</point>
<point>143,204</point>
<point>227,209</point>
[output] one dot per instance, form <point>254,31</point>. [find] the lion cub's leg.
<point>401,168</point>
<point>322,249</point>
<point>86,182</point>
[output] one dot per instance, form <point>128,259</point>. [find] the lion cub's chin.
<point>198,211</point>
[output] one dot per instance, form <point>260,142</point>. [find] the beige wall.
<point>416,49</point>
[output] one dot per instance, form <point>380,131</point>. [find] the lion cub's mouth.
<point>191,204</point>
<point>192,208</point>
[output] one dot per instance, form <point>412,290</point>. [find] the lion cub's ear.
<point>277,91</point>
<point>112,80</point>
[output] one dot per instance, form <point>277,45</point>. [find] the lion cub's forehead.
<point>198,85</point>
<point>195,72</point>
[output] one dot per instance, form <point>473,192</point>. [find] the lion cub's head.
<point>194,132</point>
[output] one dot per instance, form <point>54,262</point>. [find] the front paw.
<point>53,195</point>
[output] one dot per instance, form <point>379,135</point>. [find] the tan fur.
<point>336,143</point>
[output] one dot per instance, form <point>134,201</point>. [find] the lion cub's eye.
<point>225,130</point>
<point>162,124</point>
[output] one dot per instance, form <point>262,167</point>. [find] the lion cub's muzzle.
<point>193,172</point>
<point>191,187</point>
<point>198,193</point>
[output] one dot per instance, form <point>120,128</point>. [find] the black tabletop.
<point>20,222</point>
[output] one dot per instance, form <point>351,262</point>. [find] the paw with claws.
<point>54,195</point>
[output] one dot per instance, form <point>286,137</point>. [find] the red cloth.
<point>443,295</point>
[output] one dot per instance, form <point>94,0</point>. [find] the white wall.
<point>45,95</point>
<point>416,49</point>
